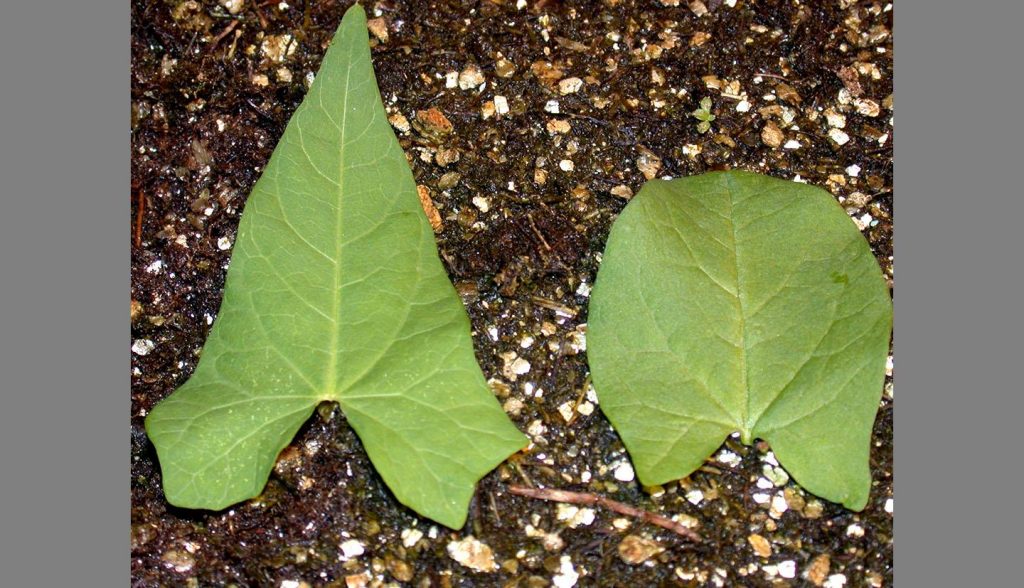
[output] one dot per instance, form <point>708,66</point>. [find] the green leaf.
<point>734,302</point>
<point>336,293</point>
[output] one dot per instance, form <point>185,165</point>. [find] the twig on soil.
<point>579,399</point>
<point>783,78</point>
<point>260,111</point>
<point>259,15</point>
<point>494,508</point>
<point>592,499</point>
<point>552,305</point>
<point>138,218</point>
<point>519,470</point>
<point>220,37</point>
<point>536,231</point>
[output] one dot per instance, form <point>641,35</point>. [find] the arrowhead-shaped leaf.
<point>738,302</point>
<point>336,293</point>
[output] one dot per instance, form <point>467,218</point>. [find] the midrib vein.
<point>745,424</point>
<point>331,376</point>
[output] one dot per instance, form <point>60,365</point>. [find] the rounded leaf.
<point>736,302</point>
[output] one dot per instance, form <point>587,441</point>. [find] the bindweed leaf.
<point>734,302</point>
<point>336,293</point>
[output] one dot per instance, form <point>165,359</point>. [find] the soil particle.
<point>567,575</point>
<point>178,560</point>
<point>202,132</point>
<point>817,571</point>
<point>432,123</point>
<point>473,554</point>
<point>470,78</point>
<point>635,550</point>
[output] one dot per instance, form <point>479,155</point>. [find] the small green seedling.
<point>703,114</point>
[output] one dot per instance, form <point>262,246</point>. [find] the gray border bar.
<point>64,281</point>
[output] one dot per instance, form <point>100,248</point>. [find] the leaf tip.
<point>856,499</point>
<point>356,10</point>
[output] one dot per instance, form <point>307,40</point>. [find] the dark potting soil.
<point>800,90</point>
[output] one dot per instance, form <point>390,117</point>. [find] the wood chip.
<point>504,68</point>
<point>622,191</point>
<point>838,136</point>
<point>449,180</point>
<point>787,93</point>
<point>835,119</point>
<point>473,554</point>
<point>851,79</point>
<point>446,157</point>
<point>572,45</point>
<point>760,545</point>
<point>725,140</point>
<point>136,309</point>
<point>400,123</point>
<point>487,109</point>
<point>699,38</point>
<point>648,163</point>
<point>570,86</point>
<point>867,107</point>
<point>558,127</point>
<point>433,122</point>
<point>357,580</point>
<point>636,550</point>
<point>470,77</point>
<point>712,82</point>
<point>546,72</point>
<point>887,102</point>
<point>428,207</point>
<point>771,135</point>
<point>379,28</point>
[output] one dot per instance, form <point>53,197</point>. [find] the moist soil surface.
<point>527,184</point>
